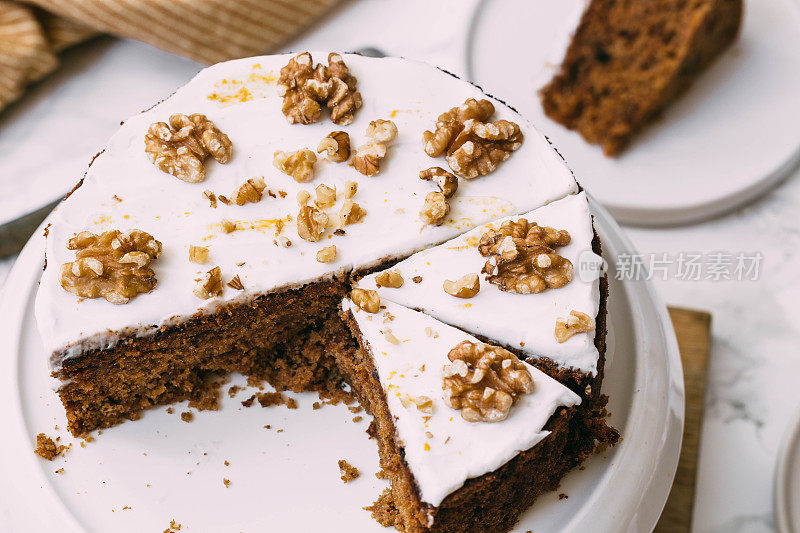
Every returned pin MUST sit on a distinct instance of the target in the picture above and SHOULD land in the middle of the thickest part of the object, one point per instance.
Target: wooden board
(693, 329)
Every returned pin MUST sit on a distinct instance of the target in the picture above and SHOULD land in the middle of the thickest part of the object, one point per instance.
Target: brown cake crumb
(226, 482)
(233, 391)
(348, 471)
(187, 416)
(60, 471)
(173, 526)
(170, 410)
(46, 448)
(562, 496)
(269, 399)
(248, 402)
(358, 418)
(384, 512)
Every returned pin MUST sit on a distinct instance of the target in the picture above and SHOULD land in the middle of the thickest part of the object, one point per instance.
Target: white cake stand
(731, 137)
(140, 475)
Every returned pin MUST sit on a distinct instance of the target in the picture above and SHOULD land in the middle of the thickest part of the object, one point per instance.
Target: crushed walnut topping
(424, 404)
(336, 146)
(250, 191)
(236, 283)
(447, 182)
(576, 323)
(299, 165)
(327, 254)
(367, 159)
(351, 212)
(303, 197)
(311, 223)
(227, 226)
(350, 189)
(473, 147)
(326, 196)
(305, 87)
(435, 208)
(198, 254)
(112, 265)
(210, 284)
(522, 257)
(180, 147)
(389, 336)
(366, 300)
(466, 286)
(484, 381)
(382, 131)
(212, 198)
(389, 278)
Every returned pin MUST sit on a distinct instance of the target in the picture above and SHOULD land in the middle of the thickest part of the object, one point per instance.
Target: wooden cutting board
(693, 329)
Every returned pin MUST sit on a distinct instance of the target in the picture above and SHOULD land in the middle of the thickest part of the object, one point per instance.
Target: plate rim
(655, 484)
(788, 452)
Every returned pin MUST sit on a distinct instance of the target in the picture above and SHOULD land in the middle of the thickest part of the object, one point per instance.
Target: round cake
(321, 221)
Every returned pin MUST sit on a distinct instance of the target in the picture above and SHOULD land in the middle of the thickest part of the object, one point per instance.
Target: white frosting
(523, 321)
(176, 213)
(457, 450)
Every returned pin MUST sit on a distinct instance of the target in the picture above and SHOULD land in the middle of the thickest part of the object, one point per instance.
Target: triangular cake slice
(523, 323)
(449, 473)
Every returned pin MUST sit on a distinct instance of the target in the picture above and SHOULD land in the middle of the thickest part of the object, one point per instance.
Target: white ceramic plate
(787, 480)
(140, 475)
(730, 138)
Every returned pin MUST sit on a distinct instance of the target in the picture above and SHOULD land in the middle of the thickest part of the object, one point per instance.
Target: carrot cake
(629, 59)
(222, 229)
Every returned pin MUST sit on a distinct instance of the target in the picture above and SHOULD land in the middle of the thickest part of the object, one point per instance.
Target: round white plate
(48, 138)
(787, 480)
(140, 475)
(730, 138)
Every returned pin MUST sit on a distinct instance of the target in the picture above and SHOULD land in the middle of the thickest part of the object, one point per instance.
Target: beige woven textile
(209, 31)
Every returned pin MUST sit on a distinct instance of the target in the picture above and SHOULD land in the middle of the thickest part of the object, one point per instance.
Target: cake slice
(506, 315)
(448, 473)
(629, 59)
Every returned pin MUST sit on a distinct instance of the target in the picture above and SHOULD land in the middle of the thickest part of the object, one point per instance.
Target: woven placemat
(693, 329)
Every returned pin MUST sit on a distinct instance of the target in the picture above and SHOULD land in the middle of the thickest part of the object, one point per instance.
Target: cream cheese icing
(123, 190)
(522, 321)
(443, 450)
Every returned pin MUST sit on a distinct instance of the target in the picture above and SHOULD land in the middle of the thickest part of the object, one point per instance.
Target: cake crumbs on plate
(269, 399)
(227, 463)
(187, 416)
(348, 472)
(46, 448)
(234, 390)
(60, 470)
(173, 526)
(562, 496)
(384, 511)
(226, 482)
(358, 418)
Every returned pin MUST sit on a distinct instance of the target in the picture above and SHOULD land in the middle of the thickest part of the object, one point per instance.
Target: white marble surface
(752, 389)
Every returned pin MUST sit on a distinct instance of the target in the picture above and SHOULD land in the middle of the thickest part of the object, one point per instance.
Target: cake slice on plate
(469, 434)
(530, 283)
(629, 59)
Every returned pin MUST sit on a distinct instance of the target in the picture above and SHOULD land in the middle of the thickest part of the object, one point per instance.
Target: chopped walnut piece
(473, 147)
(112, 265)
(250, 191)
(424, 404)
(522, 257)
(299, 165)
(368, 158)
(466, 286)
(305, 87)
(351, 212)
(448, 183)
(198, 254)
(212, 198)
(236, 283)
(336, 146)
(311, 223)
(366, 300)
(382, 131)
(435, 209)
(227, 226)
(210, 284)
(389, 278)
(327, 254)
(484, 381)
(180, 147)
(326, 196)
(576, 323)
(350, 189)
(303, 197)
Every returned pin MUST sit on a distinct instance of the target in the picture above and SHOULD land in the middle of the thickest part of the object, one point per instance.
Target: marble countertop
(752, 390)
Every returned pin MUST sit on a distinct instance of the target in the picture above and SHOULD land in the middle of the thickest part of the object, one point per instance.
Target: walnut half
(180, 147)
(484, 381)
(112, 265)
(336, 146)
(522, 257)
